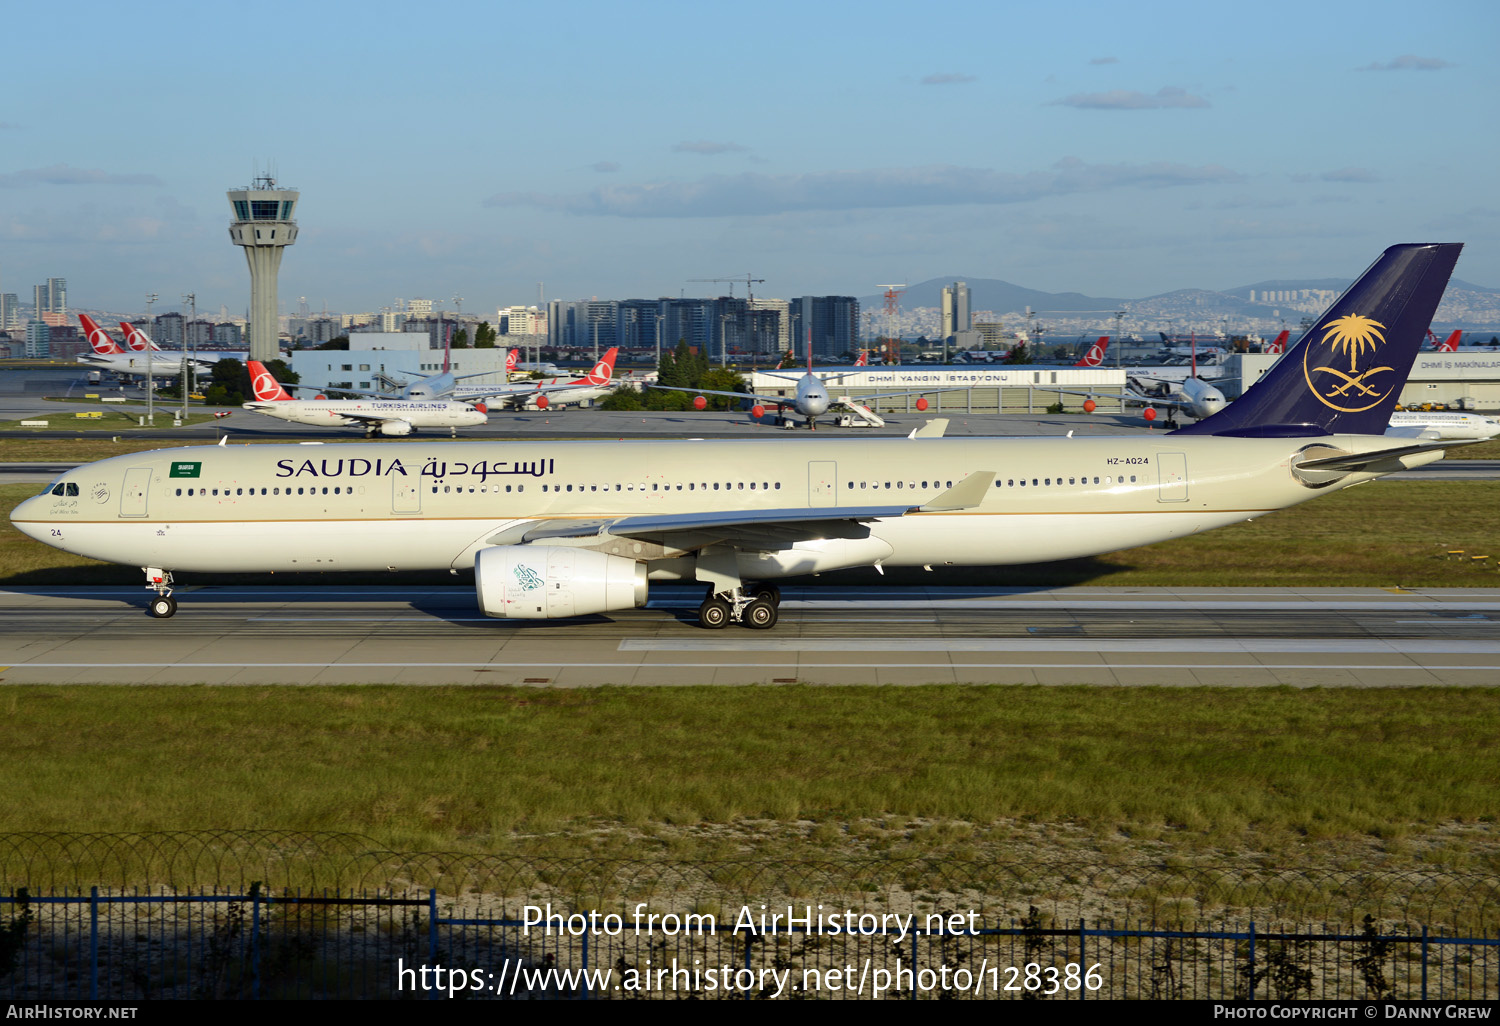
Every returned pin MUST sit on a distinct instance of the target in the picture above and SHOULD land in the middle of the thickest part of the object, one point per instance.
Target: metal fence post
(1252, 960)
(586, 992)
(432, 937)
(913, 966)
(255, 941)
(1083, 990)
(93, 944)
(1424, 962)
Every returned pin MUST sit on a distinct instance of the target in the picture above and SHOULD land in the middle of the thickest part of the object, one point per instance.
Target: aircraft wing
(525, 391)
(764, 400)
(748, 528)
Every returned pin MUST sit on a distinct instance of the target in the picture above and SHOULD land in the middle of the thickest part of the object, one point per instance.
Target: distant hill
(997, 295)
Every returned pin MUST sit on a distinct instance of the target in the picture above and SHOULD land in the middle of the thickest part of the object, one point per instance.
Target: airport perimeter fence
(245, 916)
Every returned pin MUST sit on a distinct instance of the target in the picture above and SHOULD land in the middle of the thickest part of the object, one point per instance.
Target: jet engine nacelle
(395, 428)
(543, 582)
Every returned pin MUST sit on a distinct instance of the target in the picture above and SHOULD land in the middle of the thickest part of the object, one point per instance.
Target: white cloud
(605, 167)
(951, 78)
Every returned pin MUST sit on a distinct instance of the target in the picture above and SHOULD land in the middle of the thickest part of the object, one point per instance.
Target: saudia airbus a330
(571, 528)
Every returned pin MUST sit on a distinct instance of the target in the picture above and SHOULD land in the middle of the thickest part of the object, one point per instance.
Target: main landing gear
(160, 581)
(757, 607)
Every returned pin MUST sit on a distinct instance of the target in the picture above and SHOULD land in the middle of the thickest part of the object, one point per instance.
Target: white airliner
(140, 342)
(810, 400)
(1442, 424)
(435, 387)
(574, 528)
(389, 417)
(541, 395)
(1192, 396)
(108, 355)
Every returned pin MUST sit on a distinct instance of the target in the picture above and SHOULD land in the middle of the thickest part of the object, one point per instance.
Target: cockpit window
(72, 489)
(58, 490)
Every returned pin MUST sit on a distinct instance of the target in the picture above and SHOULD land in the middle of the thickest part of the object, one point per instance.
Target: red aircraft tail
(602, 371)
(98, 337)
(264, 385)
(138, 340)
(1095, 356)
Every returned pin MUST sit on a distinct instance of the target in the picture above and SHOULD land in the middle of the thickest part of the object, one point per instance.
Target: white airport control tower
(263, 224)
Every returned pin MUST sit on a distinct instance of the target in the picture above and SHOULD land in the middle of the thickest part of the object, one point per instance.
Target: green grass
(501, 768)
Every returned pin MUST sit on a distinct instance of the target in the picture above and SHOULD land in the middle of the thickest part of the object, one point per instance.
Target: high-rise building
(263, 225)
(167, 330)
(520, 320)
(832, 320)
(38, 340)
(52, 302)
(10, 311)
(956, 316)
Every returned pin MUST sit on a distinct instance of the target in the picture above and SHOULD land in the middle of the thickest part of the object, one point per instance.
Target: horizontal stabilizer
(1352, 462)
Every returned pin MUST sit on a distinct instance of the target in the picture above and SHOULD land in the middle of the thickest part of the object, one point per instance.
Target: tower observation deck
(263, 224)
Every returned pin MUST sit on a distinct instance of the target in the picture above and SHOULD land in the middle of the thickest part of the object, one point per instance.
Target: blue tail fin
(1345, 375)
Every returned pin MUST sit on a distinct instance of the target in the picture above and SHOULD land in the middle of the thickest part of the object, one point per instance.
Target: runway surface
(1106, 636)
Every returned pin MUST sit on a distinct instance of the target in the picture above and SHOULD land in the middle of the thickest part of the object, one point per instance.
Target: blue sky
(619, 150)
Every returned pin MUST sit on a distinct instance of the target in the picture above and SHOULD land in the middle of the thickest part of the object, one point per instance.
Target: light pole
(151, 297)
(189, 350)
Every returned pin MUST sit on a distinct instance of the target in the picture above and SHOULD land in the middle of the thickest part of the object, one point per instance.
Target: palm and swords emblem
(1350, 391)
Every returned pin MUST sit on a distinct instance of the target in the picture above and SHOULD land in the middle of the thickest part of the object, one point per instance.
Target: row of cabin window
(1036, 482)
(337, 490)
(691, 486)
(1045, 481)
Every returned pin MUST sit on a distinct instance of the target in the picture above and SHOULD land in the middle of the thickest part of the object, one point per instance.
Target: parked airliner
(573, 528)
(388, 417)
(109, 356)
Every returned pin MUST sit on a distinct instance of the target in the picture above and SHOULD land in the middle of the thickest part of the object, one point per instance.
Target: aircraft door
(1171, 468)
(822, 483)
(133, 495)
(406, 495)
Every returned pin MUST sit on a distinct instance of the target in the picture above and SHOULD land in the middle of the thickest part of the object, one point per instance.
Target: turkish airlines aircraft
(541, 395)
(1278, 344)
(389, 417)
(140, 342)
(573, 528)
(1449, 344)
(1095, 356)
(108, 356)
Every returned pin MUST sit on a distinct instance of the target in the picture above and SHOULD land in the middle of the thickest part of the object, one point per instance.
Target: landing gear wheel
(162, 606)
(713, 615)
(769, 591)
(760, 615)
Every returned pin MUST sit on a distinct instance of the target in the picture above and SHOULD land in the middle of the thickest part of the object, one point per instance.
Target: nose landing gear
(160, 581)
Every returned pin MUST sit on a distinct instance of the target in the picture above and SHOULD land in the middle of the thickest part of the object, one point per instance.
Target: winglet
(967, 494)
(934, 428)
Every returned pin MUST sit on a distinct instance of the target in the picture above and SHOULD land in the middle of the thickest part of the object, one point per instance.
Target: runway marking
(1353, 646)
(476, 667)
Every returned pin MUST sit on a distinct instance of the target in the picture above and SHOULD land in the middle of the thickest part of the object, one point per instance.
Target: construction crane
(749, 302)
